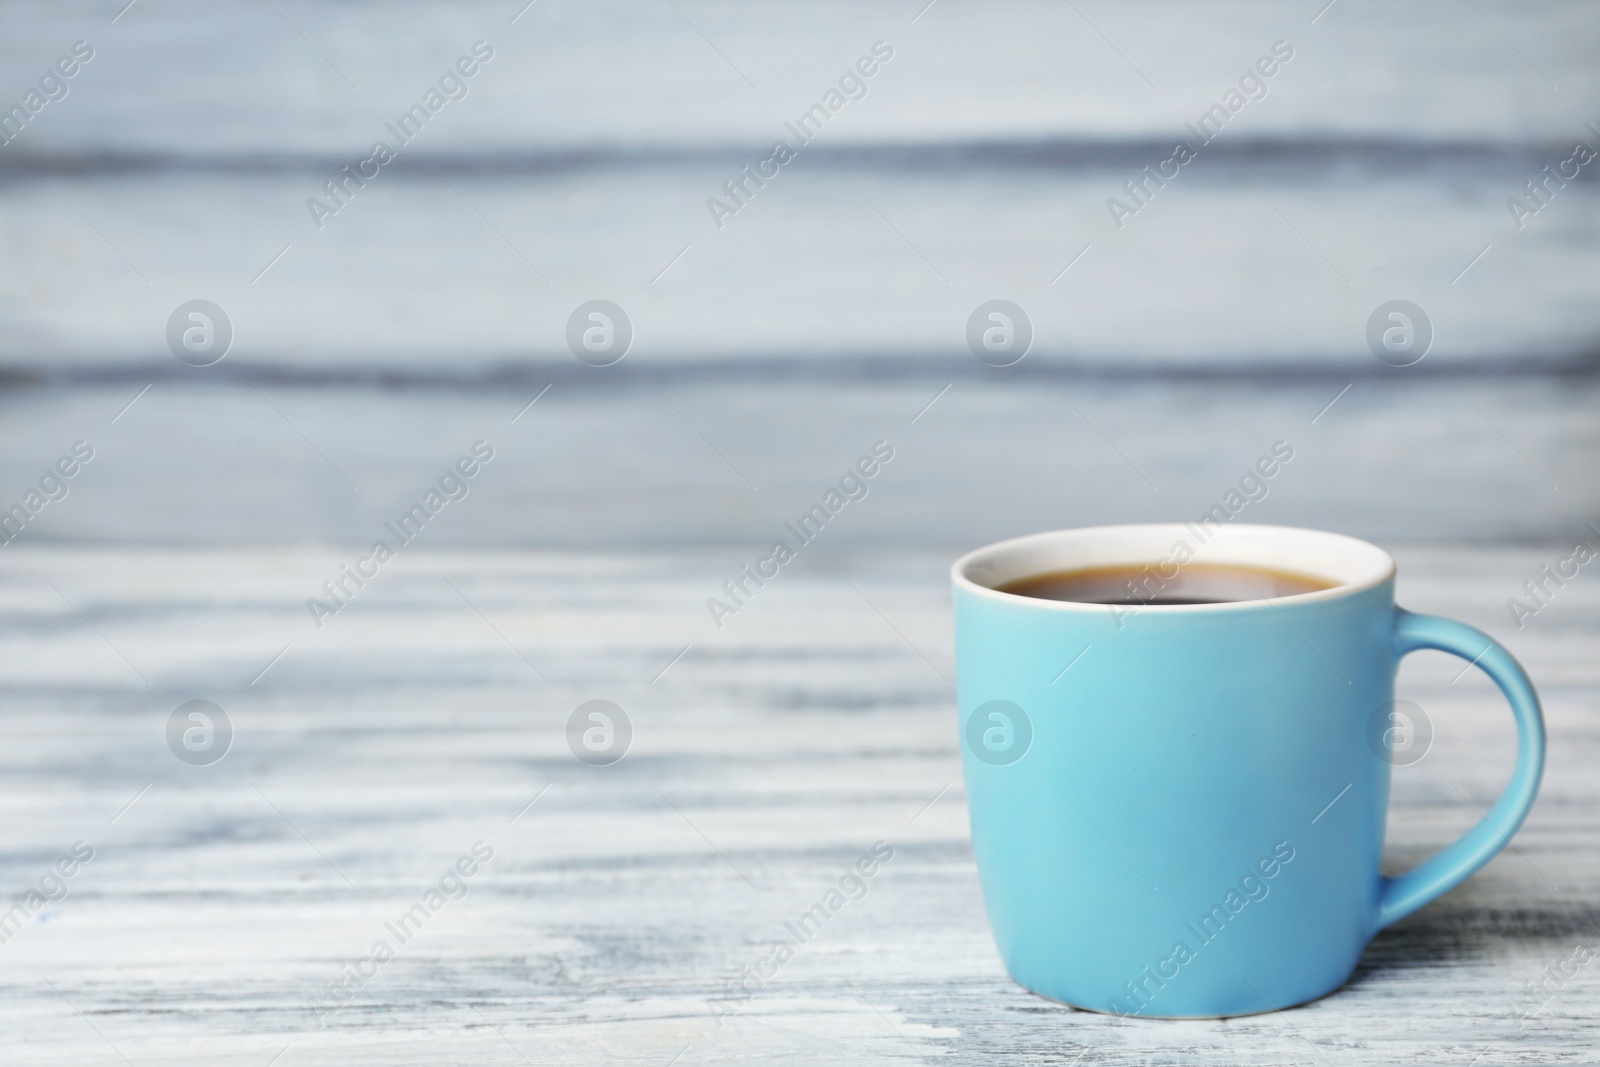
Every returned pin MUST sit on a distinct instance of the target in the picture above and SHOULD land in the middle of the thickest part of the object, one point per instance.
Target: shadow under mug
(1178, 810)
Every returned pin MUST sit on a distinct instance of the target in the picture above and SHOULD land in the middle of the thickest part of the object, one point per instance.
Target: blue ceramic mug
(1178, 810)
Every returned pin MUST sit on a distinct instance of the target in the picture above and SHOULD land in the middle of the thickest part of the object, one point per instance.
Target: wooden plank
(581, 163)
(622, 465)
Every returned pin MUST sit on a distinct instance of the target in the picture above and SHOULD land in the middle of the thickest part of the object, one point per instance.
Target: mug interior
(1345, 563)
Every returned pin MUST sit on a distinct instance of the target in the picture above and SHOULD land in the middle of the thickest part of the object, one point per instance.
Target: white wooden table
(222, 900)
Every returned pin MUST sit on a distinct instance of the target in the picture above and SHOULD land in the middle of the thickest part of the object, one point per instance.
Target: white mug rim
(1352, 564)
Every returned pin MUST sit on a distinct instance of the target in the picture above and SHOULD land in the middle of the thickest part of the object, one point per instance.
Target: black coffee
(1193, 583)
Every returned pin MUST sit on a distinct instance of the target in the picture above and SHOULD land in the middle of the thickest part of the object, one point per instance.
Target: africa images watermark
(852, 85)
(852, 485)
(1542, 190)
(1253, 486)
(1552, 980)
(1252, 889)
(1252, 86)
(50, 888)
(52, 88)
(453, 485)
(452, 885)
(52, 487)
(1549, 580)
(341, 189)
(853, 885)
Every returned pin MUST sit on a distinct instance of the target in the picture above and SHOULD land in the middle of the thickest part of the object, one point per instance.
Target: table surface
(223, 901)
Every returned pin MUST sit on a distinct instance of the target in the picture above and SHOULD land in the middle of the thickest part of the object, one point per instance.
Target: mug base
(1157, 1016)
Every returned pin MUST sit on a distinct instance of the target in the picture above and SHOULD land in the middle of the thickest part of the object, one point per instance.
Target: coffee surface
(1194, 583)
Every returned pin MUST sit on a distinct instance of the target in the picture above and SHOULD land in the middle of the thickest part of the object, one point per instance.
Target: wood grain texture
(982, 162)
(377, 750)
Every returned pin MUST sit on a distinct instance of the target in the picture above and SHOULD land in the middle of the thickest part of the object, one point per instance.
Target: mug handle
(1402, 895)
